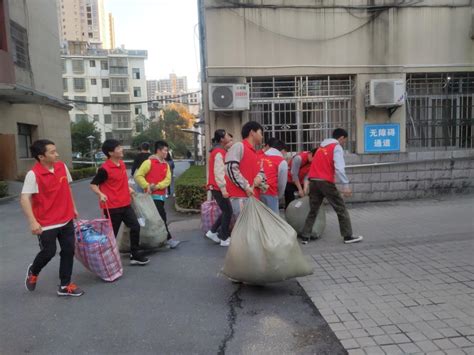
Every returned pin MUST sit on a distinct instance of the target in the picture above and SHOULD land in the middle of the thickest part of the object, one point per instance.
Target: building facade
(31, 104)
(105, 85)
(308, 64)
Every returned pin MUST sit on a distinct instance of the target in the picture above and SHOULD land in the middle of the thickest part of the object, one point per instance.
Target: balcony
(118, 71)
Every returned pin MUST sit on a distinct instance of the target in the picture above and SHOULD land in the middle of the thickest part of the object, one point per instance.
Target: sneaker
(350, 240)
(138, 260)
(225, 243)
(213, 236)
(30, 280)
(70, 290)
(172, 244)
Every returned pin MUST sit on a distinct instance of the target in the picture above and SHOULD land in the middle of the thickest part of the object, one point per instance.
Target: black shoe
(314, 237)
(138, 259)
(30, 280)
(70, 290)
(350, 240)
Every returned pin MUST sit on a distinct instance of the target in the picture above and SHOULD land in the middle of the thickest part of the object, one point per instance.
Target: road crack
(234, 302)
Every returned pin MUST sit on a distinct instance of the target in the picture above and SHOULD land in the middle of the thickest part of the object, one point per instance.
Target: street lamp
(91, 141)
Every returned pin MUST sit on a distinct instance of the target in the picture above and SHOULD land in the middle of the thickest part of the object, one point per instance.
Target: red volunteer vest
(157, 174)
(53, 202)
(249, 168)
(116, 186)
(304, 167)
(212, 184)
(270, 168)
(322, 166)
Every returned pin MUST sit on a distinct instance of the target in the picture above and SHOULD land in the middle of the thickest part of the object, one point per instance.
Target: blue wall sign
(381, 138)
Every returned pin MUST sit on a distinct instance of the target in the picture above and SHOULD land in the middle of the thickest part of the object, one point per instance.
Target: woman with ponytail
(217, 185)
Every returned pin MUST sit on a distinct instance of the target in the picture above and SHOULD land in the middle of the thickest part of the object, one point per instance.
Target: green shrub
(190, 188)
(3, 188)
(83, 173)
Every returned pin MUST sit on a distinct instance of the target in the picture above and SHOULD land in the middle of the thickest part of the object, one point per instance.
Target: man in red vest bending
(327, 163)
(244, 175)
(298, 169)
(111, 185)
(48, 204)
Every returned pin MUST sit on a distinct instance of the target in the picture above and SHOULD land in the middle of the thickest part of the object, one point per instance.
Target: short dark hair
(218, 135)
(145, 146)
(160, 145)
(271, 141)
(39, 147)
(250, 126)
(109, 146)
(339, 132)
(278, 145)
(313, 151)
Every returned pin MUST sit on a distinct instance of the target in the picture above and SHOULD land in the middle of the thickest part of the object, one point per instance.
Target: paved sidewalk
(408, 287)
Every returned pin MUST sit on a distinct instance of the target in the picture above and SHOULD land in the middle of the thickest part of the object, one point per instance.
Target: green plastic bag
(263, 248)
(296, 214)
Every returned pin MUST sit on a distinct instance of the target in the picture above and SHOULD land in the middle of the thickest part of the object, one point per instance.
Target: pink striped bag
(210, 212)
(96, 248)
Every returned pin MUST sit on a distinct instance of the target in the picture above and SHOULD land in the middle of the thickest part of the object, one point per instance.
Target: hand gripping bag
(152, 228)
(96, 248)
(263, 248)
(296, 214)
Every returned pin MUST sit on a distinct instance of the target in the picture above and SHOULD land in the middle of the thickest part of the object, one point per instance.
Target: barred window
(107, 118)
(25, 138)
(78, 66)
(80, 117)
(105, 83)
(104, 65)
(79, 84)
(80, 105)
(440, 110)
(19, 38)
(65, 84)
(121, 120)
(119, 85)
(93, 81)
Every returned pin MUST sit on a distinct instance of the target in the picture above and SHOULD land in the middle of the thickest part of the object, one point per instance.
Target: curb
(6, 199)
(185, 210)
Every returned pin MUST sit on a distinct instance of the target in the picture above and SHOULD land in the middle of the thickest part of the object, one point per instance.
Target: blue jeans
(271, 202)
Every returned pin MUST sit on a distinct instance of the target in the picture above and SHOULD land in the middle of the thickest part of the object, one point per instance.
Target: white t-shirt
(30, 186)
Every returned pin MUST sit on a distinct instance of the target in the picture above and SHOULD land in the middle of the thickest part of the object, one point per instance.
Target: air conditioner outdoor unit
(228, 97)
(385, 93)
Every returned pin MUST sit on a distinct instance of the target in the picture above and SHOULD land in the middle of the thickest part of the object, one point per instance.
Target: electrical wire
(171, 99)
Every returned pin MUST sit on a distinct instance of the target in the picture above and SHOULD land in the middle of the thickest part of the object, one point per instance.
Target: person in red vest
(111, 185)
(154, 177)
(275, 168)
(244, 174)
(218, 187)
(47, 202)
(266, 146)
(327, 163)
(298, 170)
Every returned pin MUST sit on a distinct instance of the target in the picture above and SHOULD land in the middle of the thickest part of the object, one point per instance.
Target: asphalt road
(178, 304)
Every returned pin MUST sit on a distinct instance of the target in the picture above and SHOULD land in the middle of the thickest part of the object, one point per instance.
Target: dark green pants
(319, 190)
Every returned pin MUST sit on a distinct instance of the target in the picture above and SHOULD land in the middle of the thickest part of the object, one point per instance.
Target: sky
(166, 28)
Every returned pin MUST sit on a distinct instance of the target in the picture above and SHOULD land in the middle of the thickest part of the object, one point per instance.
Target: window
(78, 66)
(107, 119)
(25, 138)
(64, 84)
(121, 120)
(96, 118)
(94, 99)
(79, 105)
(105, 83)
(80, 117)
(92, 63)
(106, 99)
(104, 65)
(139, 127)
(93, 81)
(79, 84)
(137, 92)
(109, 135)
(119, 85)
(91, 35)
(64, 66)
(89, 22)
(19, 38)
(138, 109)
(136, 73)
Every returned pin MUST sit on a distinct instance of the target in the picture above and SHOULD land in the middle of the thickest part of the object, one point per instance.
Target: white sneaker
(213, 237)
(225, 243)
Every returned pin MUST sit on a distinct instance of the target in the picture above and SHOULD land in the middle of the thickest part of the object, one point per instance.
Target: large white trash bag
(152, 228)
(296, 214)
(263, 248)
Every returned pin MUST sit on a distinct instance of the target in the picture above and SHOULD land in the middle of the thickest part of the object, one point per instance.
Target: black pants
(224, 219)
(47, 243)
(128, 217)
(290, 193)
(318, 190)
(160, 206)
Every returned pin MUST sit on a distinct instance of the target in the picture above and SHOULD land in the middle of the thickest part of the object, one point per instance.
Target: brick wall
(382, 177)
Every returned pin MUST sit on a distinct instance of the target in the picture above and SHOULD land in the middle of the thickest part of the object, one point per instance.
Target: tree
(150, 135)
(79, 133)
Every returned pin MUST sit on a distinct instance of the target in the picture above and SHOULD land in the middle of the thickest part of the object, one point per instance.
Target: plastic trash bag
(210, 212)
(296, 214)
(263, 248)
(153, 232)
(96, 248)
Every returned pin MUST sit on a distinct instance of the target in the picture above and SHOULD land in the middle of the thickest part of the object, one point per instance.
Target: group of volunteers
(49, 206)
(237, 172)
